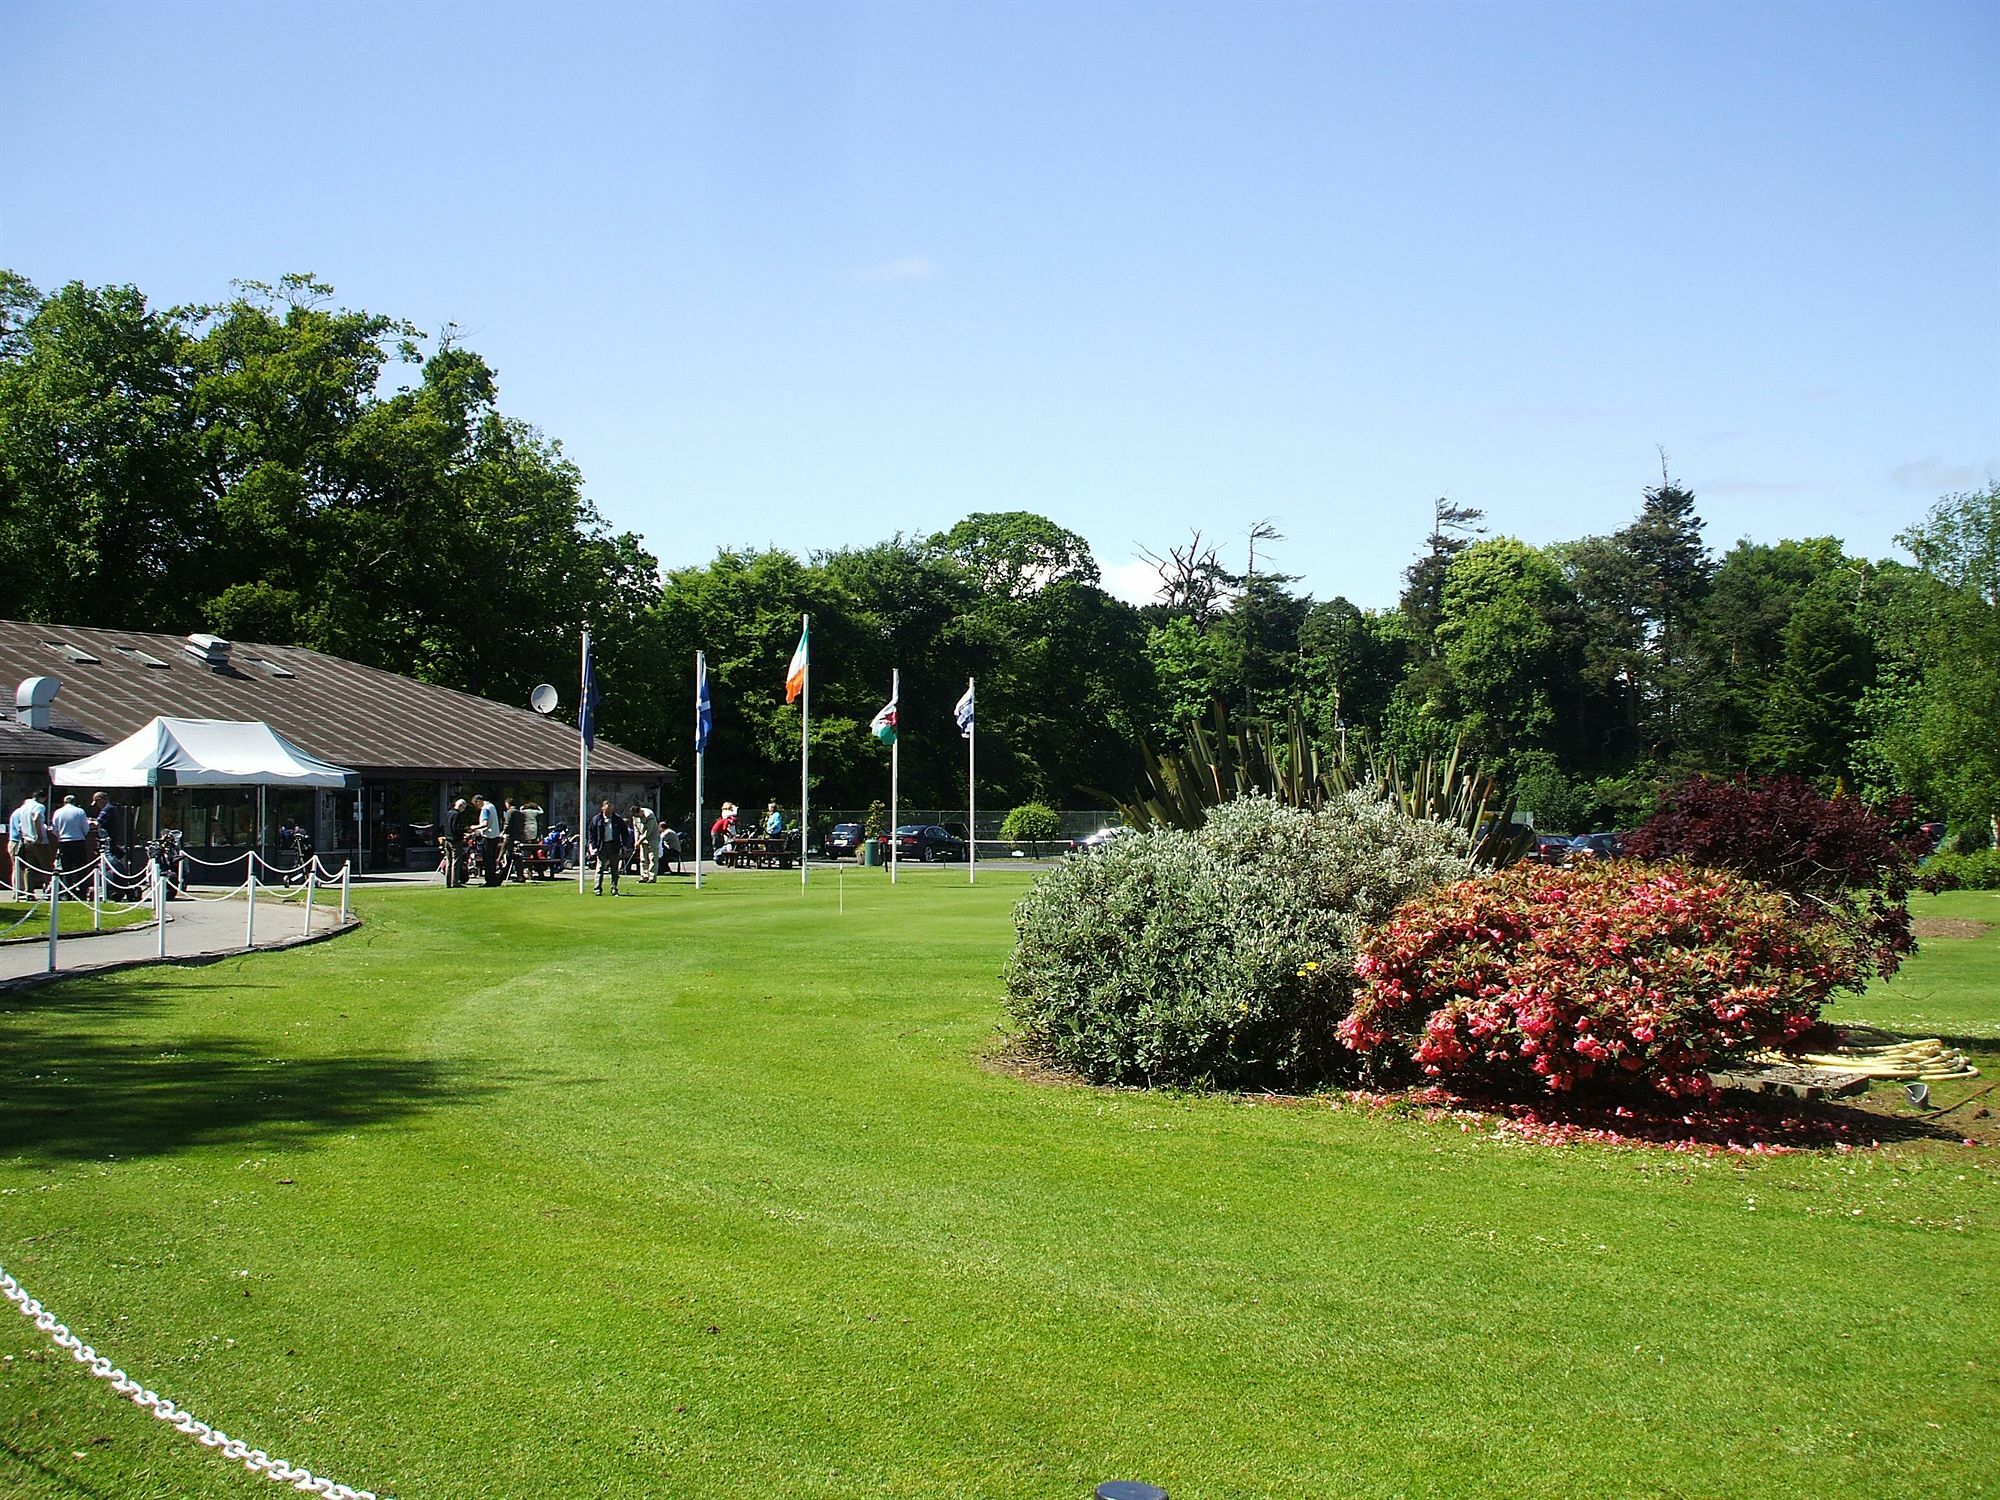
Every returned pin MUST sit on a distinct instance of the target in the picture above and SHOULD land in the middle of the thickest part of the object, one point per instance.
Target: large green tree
(239, 468)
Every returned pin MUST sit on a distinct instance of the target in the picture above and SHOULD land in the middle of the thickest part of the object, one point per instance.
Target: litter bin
(871, 851)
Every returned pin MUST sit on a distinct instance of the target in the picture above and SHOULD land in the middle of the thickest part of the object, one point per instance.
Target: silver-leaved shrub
(1222, 958)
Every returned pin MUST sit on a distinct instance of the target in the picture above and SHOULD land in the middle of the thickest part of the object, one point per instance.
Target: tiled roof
(360, 717)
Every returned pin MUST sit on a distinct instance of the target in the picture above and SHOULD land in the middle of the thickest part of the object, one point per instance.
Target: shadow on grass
(56, 1480)
(68, 1094)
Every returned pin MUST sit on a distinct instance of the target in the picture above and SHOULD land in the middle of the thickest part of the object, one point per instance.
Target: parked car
(1596, 846)
(928, 842)
(1550, 849)
(845, 841)
(1104, 838)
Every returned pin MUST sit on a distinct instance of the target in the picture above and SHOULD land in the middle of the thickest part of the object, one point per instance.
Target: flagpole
(971, 796)
(895, 768)
(700, 756)
(582, 758)
(805, 754)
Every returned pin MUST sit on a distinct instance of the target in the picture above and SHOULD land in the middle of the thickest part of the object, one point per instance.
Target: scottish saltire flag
(704, 712)
(795, 675)
(586, 720)
(883, 725)
(963, 713)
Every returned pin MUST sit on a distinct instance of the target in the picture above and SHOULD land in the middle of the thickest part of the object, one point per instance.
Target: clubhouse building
(415, 746)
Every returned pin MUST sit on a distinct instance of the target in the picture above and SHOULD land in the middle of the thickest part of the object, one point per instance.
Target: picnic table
(760, 852)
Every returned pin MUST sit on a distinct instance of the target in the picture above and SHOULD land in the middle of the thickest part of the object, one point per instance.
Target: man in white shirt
(27, 833)
(489, 840)
(72, 828)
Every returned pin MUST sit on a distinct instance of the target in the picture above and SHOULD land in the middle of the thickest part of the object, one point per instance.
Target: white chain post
(97, 894)
(250, 905)
(160, 905)
(256, 1460)
(55, 907)
(312, 874)
(345, 871)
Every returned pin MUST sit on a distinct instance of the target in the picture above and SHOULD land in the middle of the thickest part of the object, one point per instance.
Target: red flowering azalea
(1619, 971)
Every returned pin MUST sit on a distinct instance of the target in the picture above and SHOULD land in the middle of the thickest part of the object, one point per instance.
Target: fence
(104, 889)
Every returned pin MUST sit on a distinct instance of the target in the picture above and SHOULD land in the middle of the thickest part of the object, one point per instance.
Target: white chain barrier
(256, 1460)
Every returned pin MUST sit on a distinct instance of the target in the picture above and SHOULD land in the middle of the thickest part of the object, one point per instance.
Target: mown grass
(516, 1193)
(22, 921)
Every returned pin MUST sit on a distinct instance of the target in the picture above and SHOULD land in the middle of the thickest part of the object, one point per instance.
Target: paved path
(194, 929)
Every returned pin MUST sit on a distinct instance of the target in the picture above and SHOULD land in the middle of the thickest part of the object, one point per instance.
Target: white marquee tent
(203, 752)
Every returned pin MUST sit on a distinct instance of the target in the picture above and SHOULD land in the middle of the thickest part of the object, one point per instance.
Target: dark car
(1551, 849)
(928, 842)
(845, 841)
(1596, 846)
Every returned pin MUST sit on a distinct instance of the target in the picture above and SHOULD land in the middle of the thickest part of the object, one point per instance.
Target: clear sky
(812, 274)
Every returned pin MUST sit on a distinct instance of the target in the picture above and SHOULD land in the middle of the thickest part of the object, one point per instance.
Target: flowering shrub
(1618, 973)
(1220, 958)
(1848, 863)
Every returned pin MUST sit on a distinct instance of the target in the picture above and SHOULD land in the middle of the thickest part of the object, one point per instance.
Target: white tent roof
(203, 752)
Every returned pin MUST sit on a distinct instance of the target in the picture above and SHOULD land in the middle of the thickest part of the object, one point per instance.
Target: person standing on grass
(72, 828)
(608, 838)
(515, 825)
(27, 832)
(489, 839)
(457, 824)
(646, 832)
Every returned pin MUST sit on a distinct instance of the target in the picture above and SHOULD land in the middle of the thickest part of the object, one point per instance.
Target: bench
(760, 853)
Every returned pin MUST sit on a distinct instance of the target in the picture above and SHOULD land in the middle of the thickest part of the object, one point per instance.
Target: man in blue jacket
(609, 838)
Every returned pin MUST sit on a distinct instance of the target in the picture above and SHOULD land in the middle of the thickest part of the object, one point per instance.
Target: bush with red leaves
(1619, 973)
(1843, 861)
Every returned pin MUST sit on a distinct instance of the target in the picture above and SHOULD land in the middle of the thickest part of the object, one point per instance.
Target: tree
(1017, 554)
(1193, 582)
(1500, 648)
(237, 467)
(1934, 715)
(1453, 529)
(1673, 572)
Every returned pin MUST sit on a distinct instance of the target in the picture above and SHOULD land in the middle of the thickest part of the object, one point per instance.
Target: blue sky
(813, 274)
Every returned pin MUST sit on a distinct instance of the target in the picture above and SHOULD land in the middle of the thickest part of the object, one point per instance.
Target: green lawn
(22, 921)
(519, 1193)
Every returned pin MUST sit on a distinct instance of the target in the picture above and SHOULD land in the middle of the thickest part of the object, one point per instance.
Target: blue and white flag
(586, 721)
(704, 712)
(963, 713)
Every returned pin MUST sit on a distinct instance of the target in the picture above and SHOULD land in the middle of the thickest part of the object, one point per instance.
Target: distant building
(416, 746)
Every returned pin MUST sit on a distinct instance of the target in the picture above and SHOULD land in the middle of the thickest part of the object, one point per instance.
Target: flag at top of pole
(883, 725)
(962, 712)
(587, 719)
(704, 706)
(795, 674)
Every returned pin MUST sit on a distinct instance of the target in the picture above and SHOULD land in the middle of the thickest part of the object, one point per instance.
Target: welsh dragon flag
(883, 725)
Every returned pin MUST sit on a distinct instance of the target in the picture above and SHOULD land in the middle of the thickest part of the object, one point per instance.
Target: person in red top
(721, 831)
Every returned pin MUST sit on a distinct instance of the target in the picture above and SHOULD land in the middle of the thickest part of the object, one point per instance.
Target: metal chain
(256, 1460)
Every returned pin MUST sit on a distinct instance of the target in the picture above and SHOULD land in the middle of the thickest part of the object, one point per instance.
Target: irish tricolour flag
(795, 674)
(883, 725)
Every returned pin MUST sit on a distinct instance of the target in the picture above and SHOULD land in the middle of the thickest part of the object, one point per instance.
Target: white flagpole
(895, 766)
(582, 757)
(700, 755)
(805, 752)
(971, 797)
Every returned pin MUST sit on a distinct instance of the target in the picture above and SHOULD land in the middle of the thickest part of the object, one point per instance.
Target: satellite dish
(543, 699)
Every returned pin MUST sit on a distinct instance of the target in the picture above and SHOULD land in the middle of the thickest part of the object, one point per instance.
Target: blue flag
(963, 713)
(587, 720)
(704, 712)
